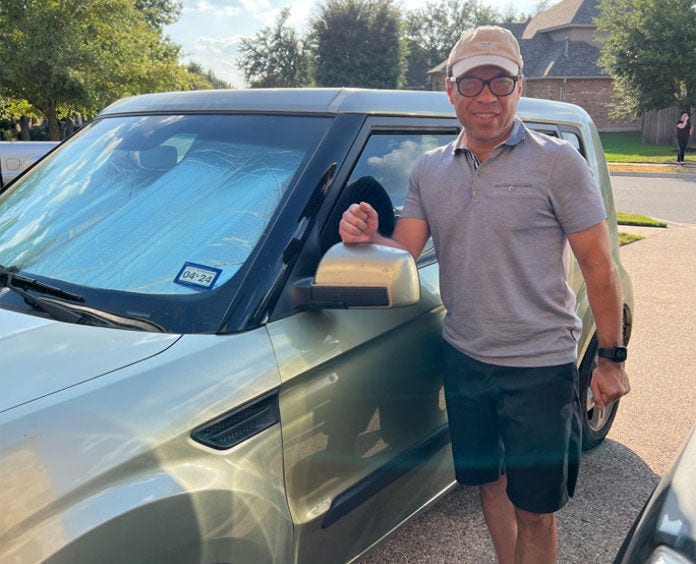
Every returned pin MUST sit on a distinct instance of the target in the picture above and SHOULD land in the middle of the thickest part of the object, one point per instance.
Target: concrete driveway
(652, 423)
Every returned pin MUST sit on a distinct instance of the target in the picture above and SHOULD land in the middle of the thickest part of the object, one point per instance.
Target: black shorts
(524, 422)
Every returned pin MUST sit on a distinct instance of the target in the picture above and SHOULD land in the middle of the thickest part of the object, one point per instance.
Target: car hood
(40, 356)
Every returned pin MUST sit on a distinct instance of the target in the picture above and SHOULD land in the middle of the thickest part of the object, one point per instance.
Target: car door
(362, 409)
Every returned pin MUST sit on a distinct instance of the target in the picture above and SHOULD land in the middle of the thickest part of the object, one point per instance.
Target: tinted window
(389, 158)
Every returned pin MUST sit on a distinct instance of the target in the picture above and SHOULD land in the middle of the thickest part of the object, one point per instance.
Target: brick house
(560, 52)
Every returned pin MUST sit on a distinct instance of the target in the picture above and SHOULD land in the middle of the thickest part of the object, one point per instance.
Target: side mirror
(362, 276)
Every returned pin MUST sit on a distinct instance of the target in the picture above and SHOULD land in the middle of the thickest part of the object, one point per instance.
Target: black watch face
(620, 354)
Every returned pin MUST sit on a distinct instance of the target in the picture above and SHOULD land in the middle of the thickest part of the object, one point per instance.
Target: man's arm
(359, 225)
(592, 249)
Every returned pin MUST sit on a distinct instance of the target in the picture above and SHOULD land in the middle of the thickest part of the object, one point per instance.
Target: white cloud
(203, 6)
(200, 6)
(218, 44)
(256, 6)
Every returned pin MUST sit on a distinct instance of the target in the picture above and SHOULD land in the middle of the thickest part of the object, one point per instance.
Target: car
(665, 530)
(17, 156)
(195, 368)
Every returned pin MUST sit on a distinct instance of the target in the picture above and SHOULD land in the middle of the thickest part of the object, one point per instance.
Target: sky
(209, 30)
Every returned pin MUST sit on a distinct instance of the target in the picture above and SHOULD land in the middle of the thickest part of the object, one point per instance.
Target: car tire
(595, 422)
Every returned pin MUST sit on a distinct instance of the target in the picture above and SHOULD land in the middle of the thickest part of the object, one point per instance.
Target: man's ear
(448, 87)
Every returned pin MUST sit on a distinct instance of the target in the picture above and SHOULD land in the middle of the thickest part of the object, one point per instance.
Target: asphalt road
(651, 425)
(669, 197)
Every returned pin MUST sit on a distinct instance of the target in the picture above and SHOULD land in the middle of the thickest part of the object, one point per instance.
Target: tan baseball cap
(486, 45)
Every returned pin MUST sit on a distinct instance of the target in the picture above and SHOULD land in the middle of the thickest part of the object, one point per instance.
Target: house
(560, 52)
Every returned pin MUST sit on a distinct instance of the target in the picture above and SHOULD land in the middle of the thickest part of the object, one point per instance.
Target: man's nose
(487, 95)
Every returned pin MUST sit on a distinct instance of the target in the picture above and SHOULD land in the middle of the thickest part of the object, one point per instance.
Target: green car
(194, 368)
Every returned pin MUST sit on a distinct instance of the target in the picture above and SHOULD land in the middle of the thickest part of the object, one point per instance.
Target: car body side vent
(230, 429)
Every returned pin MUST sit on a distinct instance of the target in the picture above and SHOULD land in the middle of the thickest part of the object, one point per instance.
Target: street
(651, 424)
(670, 197)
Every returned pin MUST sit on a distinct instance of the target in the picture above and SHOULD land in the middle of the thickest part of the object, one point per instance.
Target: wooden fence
(659, 126)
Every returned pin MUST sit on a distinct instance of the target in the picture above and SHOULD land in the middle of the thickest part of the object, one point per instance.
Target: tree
(649, 50)
(205, 80)
(12, 112)
(159, 12)
(431, 31)
(359, 43)
(275, 56)
(83, 54)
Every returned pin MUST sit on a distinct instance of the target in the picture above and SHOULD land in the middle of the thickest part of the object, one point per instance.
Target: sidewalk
(663, 271)
(652, 168)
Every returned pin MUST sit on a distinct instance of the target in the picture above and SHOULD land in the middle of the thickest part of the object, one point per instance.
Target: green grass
(626, 147)
(626, 238)
(638, 220)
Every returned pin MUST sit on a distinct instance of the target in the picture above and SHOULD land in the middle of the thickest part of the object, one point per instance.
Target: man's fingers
(608, 384)
(358, 223)
(353, 223)
(597, 396)
(351, 228)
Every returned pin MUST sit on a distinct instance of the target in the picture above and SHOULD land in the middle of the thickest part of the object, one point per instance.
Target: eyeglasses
(471, 86)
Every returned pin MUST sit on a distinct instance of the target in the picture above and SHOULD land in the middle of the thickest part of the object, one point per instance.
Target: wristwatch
(618, 353)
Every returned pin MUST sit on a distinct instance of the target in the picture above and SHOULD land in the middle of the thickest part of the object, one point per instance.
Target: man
(502, 203)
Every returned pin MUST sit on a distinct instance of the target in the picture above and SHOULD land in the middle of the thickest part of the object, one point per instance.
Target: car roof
(329, 101)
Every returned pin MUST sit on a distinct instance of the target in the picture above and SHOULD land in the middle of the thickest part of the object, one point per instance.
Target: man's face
(487, 118)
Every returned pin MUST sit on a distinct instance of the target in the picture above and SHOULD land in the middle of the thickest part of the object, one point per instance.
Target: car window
(154, 204)
(573, 138)
(389, 158)
(559, 132)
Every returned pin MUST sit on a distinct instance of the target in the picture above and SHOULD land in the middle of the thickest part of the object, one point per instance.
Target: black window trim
(309, 254)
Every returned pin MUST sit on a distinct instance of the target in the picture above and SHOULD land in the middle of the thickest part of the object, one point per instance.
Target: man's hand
(359, 224)
(609, 382)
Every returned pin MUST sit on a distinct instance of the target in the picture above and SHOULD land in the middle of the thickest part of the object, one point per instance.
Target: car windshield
(169, 204)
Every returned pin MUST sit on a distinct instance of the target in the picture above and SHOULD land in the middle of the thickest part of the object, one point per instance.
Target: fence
(659, 126)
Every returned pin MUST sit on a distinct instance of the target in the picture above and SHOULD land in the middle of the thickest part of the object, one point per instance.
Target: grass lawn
(626, 238)
(638, 219)
(626, 147)
(635, 219)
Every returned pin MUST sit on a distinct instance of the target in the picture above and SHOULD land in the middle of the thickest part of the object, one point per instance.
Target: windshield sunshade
(154, 204)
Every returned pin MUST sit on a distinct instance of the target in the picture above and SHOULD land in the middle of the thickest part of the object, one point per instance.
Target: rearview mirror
(362, 276)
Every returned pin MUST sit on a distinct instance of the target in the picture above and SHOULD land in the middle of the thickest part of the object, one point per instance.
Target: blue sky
(209, 30)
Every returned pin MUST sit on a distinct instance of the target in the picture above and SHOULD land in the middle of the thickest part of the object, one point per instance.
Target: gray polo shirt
(499, 230)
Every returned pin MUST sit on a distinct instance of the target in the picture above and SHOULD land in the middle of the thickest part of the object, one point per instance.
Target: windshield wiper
(20, 284)
(71, 313)
(13, 280)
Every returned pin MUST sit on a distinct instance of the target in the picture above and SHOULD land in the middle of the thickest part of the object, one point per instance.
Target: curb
(650, 169)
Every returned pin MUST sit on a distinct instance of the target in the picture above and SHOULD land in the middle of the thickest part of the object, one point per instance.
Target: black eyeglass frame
(485, 83)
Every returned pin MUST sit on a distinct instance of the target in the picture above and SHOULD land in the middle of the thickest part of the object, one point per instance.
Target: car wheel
(595, 422)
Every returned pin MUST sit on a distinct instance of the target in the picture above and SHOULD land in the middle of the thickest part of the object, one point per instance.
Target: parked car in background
(665, 531)
(194, 368)
(17, 156)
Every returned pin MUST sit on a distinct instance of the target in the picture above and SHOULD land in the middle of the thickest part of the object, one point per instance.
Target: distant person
(684, 131)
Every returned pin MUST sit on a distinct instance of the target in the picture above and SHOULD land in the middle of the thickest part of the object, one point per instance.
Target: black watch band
(616, 354)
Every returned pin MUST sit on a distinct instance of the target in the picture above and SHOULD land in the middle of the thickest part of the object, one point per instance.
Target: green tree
(359, 43)
(13, 112)
(80, 55)
(649, 50)
(159, 12)
(204, 80)
(275, 56)
(432, 30)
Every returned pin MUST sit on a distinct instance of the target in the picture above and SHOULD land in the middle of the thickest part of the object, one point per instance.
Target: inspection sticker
(198, 276)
